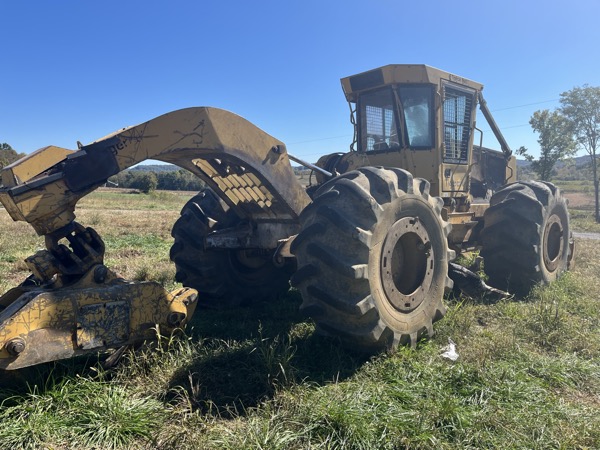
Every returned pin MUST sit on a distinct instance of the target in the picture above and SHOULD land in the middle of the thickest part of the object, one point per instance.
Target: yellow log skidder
(369, 244)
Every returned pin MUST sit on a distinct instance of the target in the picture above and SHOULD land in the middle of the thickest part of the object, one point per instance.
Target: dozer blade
(98, 312)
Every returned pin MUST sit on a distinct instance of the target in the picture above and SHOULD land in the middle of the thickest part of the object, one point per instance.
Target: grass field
(528, 375)
(581, 204)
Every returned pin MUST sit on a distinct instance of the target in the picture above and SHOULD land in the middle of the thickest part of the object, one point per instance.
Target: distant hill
(578, 161)
(155, 168)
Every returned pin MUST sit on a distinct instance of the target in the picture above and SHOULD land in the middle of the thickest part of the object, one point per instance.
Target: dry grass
(135, 228)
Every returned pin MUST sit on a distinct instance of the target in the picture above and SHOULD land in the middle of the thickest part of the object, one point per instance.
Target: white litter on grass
(450, 351)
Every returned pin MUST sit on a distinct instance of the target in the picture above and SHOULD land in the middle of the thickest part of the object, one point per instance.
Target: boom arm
(248, 168)
(492, 123)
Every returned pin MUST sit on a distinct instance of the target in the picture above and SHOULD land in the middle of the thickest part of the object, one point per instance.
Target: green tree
(190, 182)
(8, 155)
(169, 181)
(143, 181)
(555, 139)
(581, 107)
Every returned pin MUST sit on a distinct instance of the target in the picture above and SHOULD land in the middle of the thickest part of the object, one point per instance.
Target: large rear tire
(223, 278)
(526, 238)
(373, 259)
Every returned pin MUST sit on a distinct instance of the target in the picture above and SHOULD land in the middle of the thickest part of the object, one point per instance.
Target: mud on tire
(223, 278)
(373, 258)
(526, 238)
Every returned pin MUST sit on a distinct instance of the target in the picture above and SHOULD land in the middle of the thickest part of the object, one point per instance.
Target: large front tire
(223, 278)
(526, 238)
(373, 259)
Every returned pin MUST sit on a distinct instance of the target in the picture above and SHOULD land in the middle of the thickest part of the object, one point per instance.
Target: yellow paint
(62, 311)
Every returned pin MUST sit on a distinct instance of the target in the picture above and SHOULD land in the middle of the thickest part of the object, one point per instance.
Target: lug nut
(15, 346)
(100, 274)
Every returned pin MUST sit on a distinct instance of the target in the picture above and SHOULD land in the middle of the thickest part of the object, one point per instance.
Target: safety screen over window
(458, 107)
(378, 124)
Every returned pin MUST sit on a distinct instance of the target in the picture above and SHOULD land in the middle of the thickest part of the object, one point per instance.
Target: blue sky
(78, 70)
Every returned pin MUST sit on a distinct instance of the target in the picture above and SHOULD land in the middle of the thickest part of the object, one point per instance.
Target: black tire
(223, 278)
(526, 238)
(373, 259)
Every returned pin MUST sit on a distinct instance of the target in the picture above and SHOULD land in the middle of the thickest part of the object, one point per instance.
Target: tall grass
(79, 412)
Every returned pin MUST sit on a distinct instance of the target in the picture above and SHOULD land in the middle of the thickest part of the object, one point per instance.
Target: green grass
(79, 412)
(528, 375)
(575, 185)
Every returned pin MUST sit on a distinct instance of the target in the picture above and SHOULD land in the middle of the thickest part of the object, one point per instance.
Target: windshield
(416, 102)
(379, 118)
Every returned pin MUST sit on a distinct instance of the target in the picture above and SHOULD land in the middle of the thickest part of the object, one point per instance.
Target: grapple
(72, 304)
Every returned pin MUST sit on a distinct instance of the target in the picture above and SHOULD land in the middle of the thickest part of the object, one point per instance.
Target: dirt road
(578, 235)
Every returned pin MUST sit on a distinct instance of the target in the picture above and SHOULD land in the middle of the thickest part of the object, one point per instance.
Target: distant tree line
(147, 181)
(301, 172)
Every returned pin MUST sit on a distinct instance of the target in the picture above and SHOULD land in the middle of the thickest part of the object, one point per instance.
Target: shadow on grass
(245, 355)
(43, 377)
(252, 352)
(249, 354)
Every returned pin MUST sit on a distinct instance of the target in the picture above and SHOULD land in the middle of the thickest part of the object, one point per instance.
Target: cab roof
(400, 73)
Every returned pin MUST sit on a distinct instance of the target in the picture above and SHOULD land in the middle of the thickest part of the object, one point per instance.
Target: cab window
(379, 118)
(417, 105)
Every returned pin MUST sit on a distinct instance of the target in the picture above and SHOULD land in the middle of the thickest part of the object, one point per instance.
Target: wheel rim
(553, 243)
(407, 263)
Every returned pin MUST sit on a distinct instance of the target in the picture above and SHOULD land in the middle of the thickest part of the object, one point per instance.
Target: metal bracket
(231, 238)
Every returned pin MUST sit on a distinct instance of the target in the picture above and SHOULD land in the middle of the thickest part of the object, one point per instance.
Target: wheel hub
(553, 242)
(407, 264)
